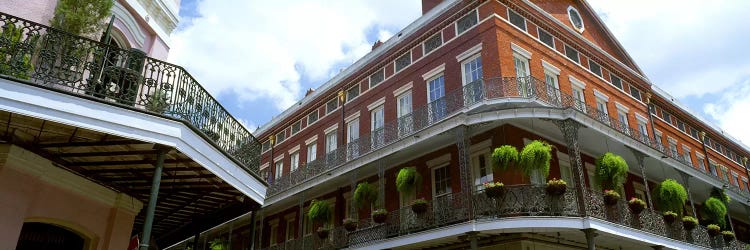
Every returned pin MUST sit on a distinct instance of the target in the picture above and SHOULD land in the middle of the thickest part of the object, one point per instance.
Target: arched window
(36, 235)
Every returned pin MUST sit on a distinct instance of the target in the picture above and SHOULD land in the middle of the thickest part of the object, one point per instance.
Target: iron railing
(460, 100)
(46, 57)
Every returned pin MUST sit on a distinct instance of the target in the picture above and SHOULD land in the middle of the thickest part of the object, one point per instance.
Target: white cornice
(433, 72)
(469, 52)
(376, 104)
(403, 89)
(521, 51)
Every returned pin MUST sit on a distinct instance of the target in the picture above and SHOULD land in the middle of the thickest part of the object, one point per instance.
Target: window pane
(433, 43)
(595, 68)
(466, 22)
(616, 81)
(572, 54)
(517, 20)
(403, 61)
(332, 105)
(376, 78)
(312, 117)
(546, 38)
(352, 92)
(296, 127)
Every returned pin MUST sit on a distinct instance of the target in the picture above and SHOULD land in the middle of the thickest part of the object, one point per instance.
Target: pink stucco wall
(24, 197)
(39, 11)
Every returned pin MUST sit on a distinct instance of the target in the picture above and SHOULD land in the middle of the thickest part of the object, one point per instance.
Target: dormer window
(575, 19)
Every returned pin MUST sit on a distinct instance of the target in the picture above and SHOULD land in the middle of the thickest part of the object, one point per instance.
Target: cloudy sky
(259, 57)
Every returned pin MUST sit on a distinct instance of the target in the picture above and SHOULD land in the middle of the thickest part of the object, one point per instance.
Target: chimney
(309, 91)
(428, 5)
(377, 44)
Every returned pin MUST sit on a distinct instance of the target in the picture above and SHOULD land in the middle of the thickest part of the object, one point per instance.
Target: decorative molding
(403, 89)
(131, 25)
(521, 51)
(469, 52)
(278, 158)
(331, 128)
(376, 104)
(438, 160)
(601, 95)
(577, 83)
(550, 67)
(433, 72)
(311, 140)
(294, 149)
(351, 117)
(622, 107)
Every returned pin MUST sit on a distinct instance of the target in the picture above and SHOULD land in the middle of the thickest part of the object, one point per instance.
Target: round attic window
(575, 19)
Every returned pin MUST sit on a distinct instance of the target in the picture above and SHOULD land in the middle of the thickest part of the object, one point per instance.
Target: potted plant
(669, 217)
(493, 189)
(504, 156)
(217, 244)
(670, 196)
(407, 180)
(611, 197)
(713, 230)
(350, 224)
(714, 210)
(556, 187)
(321, 212)
(636, 205)
(689, 223)
(365, 195)
(419, 206)
(611, 171)
(534, 159)
(379, 215)
(323, 232)
(728, 236)
(158, 102)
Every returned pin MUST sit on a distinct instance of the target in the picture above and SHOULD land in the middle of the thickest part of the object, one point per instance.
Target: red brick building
(468, 77)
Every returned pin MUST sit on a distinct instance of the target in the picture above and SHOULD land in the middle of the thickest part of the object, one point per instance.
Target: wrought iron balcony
(516, 202)
(460, 100)
(41, 56)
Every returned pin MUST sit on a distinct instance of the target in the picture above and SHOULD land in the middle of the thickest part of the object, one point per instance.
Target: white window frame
(467, 61)
(477, 150)
(294, 163)
(314, 155)
(449, 190)
(278, 168)
(570, 18)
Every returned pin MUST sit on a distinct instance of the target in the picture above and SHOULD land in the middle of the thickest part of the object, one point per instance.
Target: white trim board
(23, 99)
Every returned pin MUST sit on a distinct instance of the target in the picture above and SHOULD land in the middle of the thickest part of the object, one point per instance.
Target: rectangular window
(694, 133)
(281, 136)
(331, 142)
(352, 92)
(466, 22)
(433, 43)
(673, 148)
(622, 118)
(702, 164)
(595, 68)
(635, 93)
(266, 146)
(553, 86)
(274, 232)
(403, 61)
(294, 159)
(681, 126)
(616, 81)
(376, 126)
(521, 65)
(403, 112)
(472, 69)
(517, 20)
(377, 78)
(546, 38)
(436, 102)
(572, 54)
(441, 181)
(290, 225)
(482, 170)
(312, 117)
(312, 152)
(296, 127)
(666, 116)
(279, 169)
(686, 156)
(580, 100)
(642, 128)
(352, 132)
(332, 105)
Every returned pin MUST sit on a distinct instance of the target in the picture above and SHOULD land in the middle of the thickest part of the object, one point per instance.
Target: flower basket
(419, 206)
(350, 224)
(713, 230)
(689, 223)
(636, 206)
(380, 215)
(611, 197)
(556, 187)
(494, 189)
(728, 236)
(323, 232)
(670, 217)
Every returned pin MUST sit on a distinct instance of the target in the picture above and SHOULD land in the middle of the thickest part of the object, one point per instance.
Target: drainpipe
(272, 164)
(342, 100)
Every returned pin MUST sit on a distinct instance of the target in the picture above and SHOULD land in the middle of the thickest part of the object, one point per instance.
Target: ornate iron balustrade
(49, 58)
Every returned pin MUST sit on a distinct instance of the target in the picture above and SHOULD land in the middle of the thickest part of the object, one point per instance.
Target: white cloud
(683, 46)
(731, 110)
(261, 49)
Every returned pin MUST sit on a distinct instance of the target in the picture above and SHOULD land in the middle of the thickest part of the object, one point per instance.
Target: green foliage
(504, 156)
(320, 211)
(611, 171)
(158, 101)
(218, 244)
(81, 16)
(408, 179)
(670, 196)
(15, 55)
(690, 219)
(380, 211)
(535, 157)
(419, 201)
(365, 194)
(719, 193)
(713, 227)
(714, 210)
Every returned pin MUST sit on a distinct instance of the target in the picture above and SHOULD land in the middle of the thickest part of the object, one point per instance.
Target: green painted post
(155, 183)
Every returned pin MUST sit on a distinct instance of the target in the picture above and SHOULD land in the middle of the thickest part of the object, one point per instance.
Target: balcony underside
(117, 148)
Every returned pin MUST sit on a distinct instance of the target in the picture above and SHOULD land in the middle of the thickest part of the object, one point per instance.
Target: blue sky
(259, 57)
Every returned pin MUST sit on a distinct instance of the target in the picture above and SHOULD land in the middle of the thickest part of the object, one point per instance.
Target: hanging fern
(535, 156)
(721, 195)
(504, 156)
(365, 194)
(320, 211)
(714, 210)
(218, 244)
(670, 196)
(611, 171)
(408, 179)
